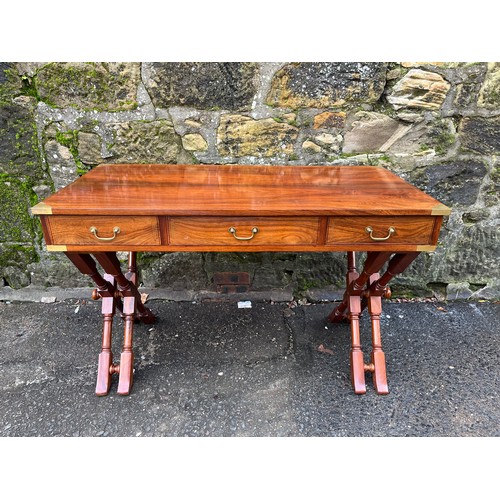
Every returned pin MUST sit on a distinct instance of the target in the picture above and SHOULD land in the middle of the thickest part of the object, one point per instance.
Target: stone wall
(437, 125)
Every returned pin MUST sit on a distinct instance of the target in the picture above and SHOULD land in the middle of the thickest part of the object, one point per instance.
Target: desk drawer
(104, 230)
(243, 231)
(377, 229)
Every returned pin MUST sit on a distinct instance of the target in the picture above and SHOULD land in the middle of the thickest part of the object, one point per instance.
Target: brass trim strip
(57, 248)
(441, 210)
(426, 248)
(41, 209)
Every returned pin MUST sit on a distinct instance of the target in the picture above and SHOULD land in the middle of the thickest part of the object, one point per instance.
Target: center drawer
(243, 231)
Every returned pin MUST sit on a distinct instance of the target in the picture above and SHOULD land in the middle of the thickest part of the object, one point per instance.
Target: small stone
(329, 119)
(489, 95)
(369, 132)
(327, 139)
(311, 147)
(48, 300)
(89, 148)
(194, 142)
(457, 291)
(192, 123)
(240, 135)
(145, 142)
(481, 134)
(62, 165)
(290, 117)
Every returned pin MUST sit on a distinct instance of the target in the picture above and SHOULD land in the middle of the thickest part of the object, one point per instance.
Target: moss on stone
(89, 86)
(69, 139)
(17, 196)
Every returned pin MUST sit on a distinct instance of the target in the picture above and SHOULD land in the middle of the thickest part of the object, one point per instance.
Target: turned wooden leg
(357, 362)
(132, 307)
(131, 274)
(106, 290)
(355, 296)
(377, 365)
(126, 376)
(105, 367)
(376, 289)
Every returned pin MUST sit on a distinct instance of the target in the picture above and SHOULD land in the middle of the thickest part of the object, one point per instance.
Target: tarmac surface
(209, 368)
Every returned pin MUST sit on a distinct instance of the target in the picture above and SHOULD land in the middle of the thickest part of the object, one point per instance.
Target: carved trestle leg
(106, 289)
(367, 289)
(132, 308)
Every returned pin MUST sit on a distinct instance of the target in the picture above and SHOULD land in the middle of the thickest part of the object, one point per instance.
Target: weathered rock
(144, 142)
(55, 269)
(62, 165)
(467, 253)
(460, 290)
(456, 183)
(203, 85)
(489, 292)
(369, 132)
(481, 135)
(182, 271)
(436, 137)
(89, 148)
(311, 147)
(467, 90)
(194, 142)
(15, 277)
(19, 153)
(329, 142)
(89, 86)
(10, 83)
(323, 85)
(16, 225)
(240, 135)
(17, 230)
(475, 215)
(419, 89)
(489, 96)
(328, 119)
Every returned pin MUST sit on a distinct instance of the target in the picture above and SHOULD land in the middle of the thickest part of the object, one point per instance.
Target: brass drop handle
(369, 230)
(232, 230)
(116, 230)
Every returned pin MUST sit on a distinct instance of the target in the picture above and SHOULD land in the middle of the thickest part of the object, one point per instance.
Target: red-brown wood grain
(239, 190)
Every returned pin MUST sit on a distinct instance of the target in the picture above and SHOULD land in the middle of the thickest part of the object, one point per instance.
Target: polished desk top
(239, 190)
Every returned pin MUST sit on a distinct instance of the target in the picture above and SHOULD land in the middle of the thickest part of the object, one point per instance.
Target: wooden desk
(229, 208)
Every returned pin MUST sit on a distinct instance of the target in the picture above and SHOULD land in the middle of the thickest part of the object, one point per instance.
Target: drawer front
(377, 229)
(243, 231)
(104, 230)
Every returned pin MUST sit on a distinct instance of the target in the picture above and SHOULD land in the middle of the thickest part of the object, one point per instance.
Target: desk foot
(117, 291)
(366, 290)
(133, 309)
